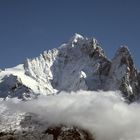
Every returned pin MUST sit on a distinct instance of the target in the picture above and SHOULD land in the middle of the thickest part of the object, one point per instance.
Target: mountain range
(78, 64)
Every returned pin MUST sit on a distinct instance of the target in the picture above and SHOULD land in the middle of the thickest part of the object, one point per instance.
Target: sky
(28, 27)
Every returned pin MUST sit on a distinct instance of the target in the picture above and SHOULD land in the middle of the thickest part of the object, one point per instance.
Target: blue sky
(28, 27)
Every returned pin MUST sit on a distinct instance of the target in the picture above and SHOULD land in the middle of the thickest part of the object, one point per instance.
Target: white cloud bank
(103, 113)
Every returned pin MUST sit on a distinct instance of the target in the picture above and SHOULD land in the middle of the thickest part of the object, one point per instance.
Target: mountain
(79, 64)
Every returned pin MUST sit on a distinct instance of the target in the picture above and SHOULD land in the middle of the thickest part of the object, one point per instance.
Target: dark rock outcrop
(52, 133)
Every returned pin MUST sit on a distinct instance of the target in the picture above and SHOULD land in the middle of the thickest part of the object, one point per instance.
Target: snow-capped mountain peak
(78, 64)
(76, 38)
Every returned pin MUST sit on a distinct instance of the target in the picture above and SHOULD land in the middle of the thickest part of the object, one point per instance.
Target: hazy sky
(28, 27)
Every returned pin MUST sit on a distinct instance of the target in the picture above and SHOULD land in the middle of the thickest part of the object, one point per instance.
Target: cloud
(104, 114)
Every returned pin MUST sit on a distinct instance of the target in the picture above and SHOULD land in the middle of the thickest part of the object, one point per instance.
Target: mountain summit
(79, 64)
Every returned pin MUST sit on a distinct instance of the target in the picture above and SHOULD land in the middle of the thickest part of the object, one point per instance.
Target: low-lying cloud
(104, 114)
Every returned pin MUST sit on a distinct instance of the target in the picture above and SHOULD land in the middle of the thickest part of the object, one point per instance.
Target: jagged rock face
(80, 64)
(123, 75)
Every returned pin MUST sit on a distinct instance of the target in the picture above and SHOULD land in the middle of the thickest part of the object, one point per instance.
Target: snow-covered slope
(78, 64)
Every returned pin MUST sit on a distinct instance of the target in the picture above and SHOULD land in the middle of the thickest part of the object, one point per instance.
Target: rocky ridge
(83, 64)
